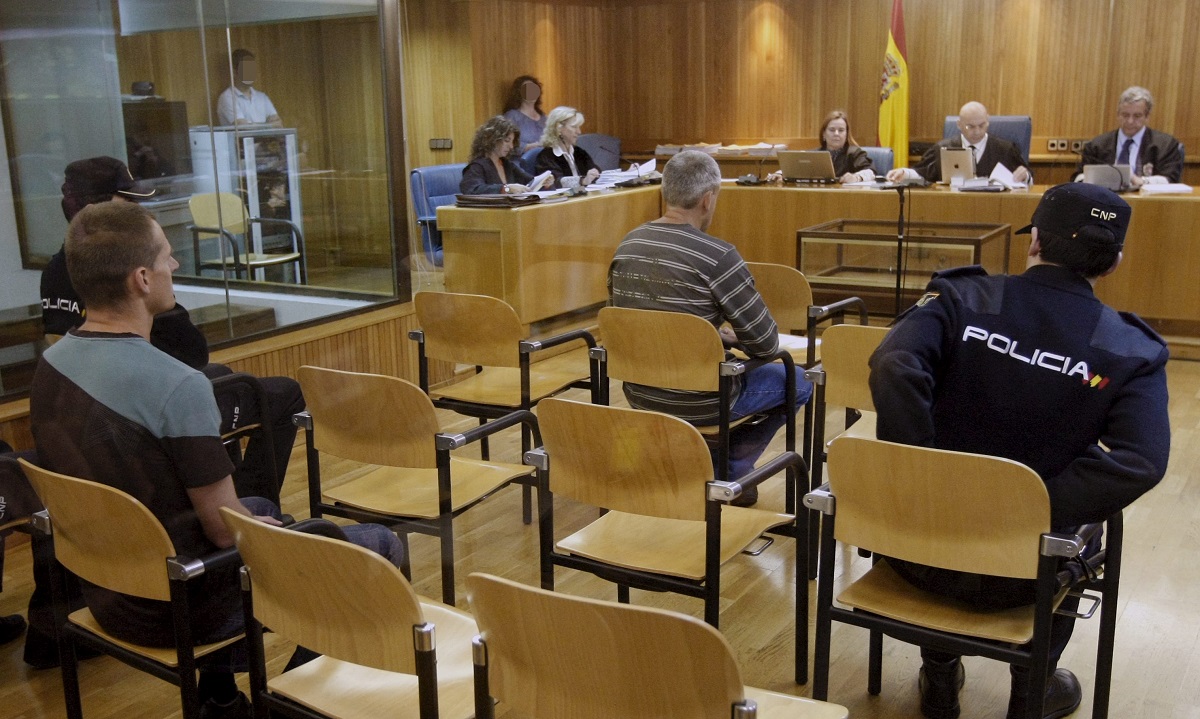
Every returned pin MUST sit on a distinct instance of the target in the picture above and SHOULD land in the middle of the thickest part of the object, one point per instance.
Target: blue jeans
(762, 391)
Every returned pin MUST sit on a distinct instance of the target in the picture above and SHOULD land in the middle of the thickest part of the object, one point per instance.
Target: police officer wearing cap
(1034, 368)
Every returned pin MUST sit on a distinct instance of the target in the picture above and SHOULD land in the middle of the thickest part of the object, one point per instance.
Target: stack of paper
(635, 171)
(764, 149)
(1171, 188)
(705, 147)
(667, 149)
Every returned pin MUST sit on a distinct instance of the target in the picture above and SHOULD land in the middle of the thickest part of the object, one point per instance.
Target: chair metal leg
(814, 542)
(447, 541)
(801, 618)
(824, 616)
(623, 593)
(875, 664)
(70, 678)
(1108, 617)
(68, 662)
(426, 661)
(485, 706)
(526, 504)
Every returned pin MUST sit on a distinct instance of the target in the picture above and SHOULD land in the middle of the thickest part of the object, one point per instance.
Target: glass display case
(847, 257)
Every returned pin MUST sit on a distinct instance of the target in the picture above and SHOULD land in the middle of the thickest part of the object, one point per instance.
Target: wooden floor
(1157, 668)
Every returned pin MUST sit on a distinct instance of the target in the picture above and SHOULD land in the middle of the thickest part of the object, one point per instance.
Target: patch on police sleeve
(927, 298)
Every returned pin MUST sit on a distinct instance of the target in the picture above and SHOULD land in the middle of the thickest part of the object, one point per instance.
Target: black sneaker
(11, 627)
(940, 683)
(239, 708)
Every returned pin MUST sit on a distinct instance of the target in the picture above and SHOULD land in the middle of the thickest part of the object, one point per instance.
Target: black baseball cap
(97, 179)
(1065, 209)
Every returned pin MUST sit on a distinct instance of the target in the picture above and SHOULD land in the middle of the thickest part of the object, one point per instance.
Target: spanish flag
(893, 90)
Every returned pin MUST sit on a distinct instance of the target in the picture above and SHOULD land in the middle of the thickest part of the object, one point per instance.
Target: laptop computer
(806, 166)
(957, 162)
(1113, 177)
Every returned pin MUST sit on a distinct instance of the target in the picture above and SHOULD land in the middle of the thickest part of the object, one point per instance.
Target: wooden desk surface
(545, 260)
(1156, 280)
(553, 259)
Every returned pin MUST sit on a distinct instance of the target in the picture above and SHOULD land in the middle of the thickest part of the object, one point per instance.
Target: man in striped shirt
(671, 264)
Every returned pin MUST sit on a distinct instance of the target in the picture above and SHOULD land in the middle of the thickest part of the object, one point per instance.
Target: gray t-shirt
(113, 409)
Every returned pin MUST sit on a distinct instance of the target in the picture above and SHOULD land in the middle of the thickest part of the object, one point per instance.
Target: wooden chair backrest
(553, 655)
(330, 596)
(625, 459)
(211, 209)
(954, 510)
(469, 329)
(845, 351)
(786, 292)
(370, 418)
(104, 535)
(674, 350)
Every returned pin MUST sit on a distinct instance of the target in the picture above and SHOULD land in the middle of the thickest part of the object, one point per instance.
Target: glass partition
(260, 125)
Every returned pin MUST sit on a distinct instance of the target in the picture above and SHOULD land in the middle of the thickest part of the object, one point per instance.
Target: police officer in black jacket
(1034, 368)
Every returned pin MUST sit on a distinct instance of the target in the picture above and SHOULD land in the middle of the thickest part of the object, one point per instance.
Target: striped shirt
(677, 268)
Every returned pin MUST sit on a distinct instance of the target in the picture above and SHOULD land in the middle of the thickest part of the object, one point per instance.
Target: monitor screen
(156, 138)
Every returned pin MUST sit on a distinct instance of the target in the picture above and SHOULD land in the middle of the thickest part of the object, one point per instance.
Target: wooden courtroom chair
(128, 552)
(223, 215)
(414, 484)
(963, 512)
(384, 650)
(666, 526)
(484, 332)
(554, 656)
(787, 294)
(679, 351)
(841, 380)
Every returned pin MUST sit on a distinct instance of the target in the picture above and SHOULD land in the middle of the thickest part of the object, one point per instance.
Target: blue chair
(605, 150)
(883, 159)
(528, 161)
(431, 188)
(1017, 129)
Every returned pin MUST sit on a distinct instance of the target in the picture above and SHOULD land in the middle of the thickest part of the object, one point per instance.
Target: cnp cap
(1065, 209)
(97, 179)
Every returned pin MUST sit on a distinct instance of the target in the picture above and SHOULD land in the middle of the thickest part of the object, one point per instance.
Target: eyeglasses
(980, 126)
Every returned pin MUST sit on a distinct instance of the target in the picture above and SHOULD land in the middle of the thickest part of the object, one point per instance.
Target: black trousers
(253, 476)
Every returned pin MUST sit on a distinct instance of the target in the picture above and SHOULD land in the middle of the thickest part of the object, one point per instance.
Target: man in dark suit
(973, 133)
(1152, 157)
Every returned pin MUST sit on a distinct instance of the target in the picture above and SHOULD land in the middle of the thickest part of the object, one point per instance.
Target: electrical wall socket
(441, 143)
(1056, 145)
(1077, 145)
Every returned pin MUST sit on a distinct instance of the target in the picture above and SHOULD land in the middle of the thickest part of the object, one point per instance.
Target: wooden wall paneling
(375, 341)
(439, 93)
(565, 45)
(1064, 89)
(1155, 45)
(659, 53)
